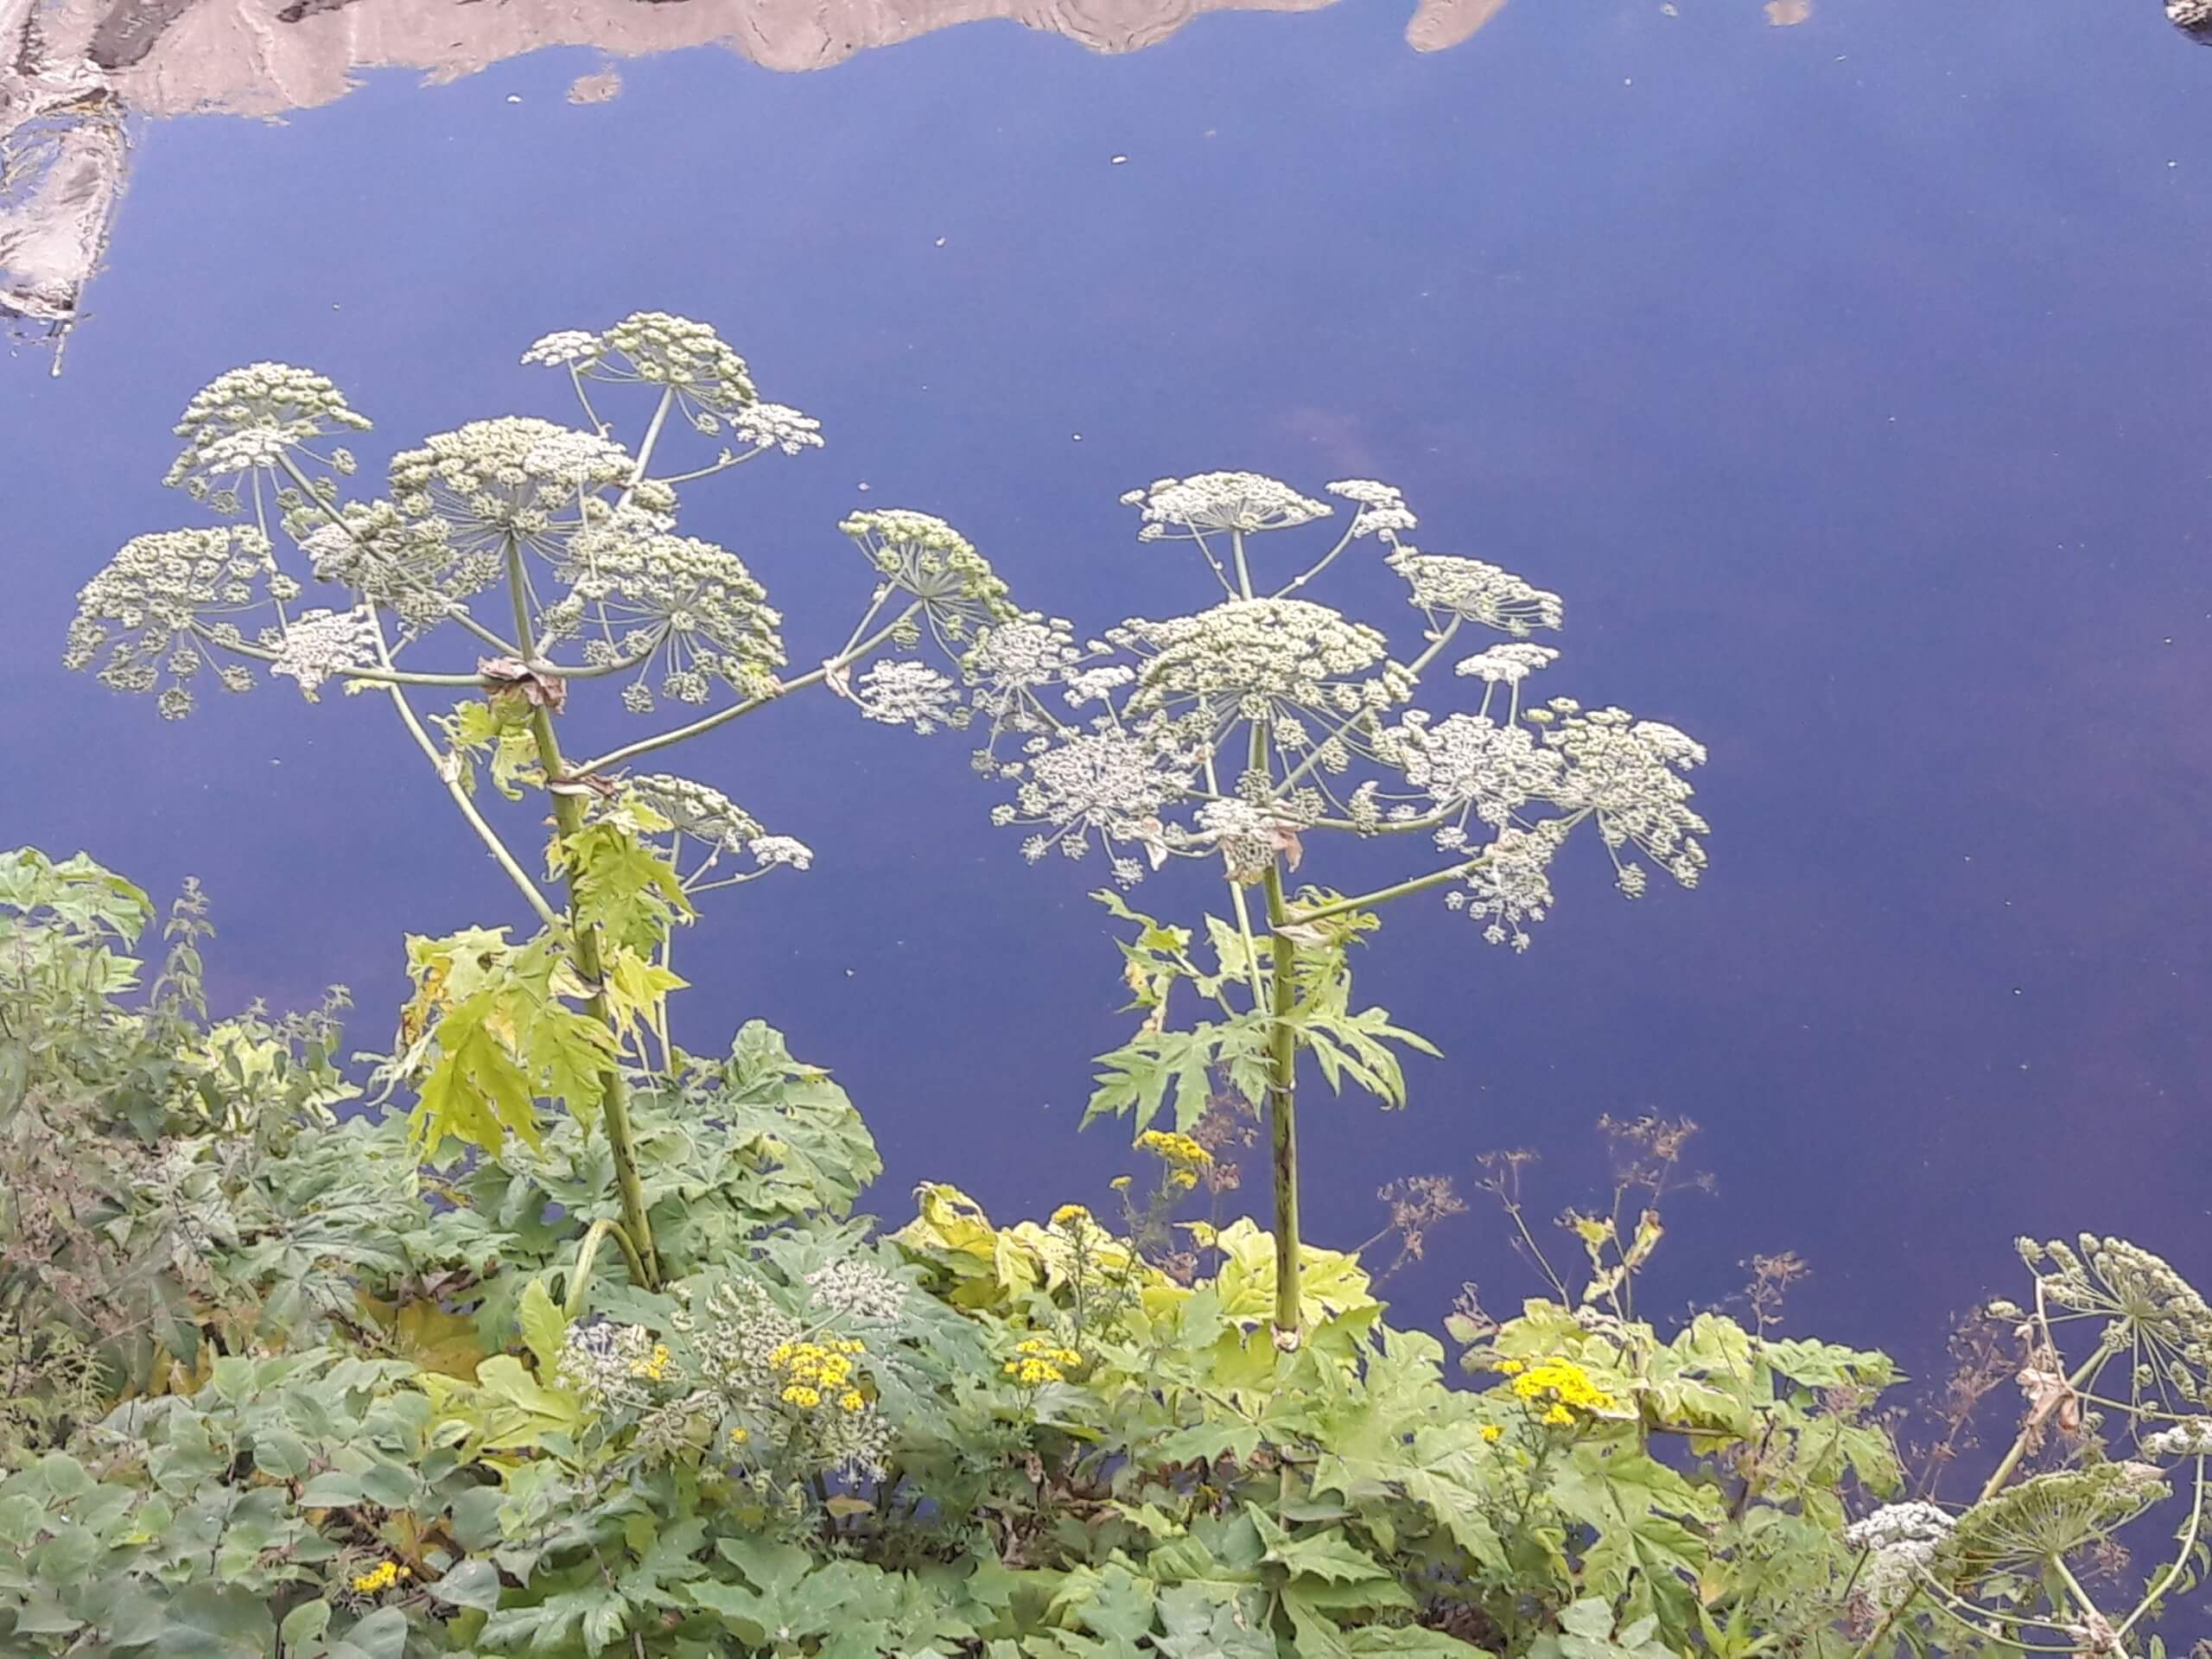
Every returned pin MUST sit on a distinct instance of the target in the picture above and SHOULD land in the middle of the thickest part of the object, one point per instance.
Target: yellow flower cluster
(817, 1370)
(1183, 1157)
(1559, 1386)
(1037, 1361)
(1492, 1433)
(382, 1576)
(653, 1366)
(1179, 1149)
(1067, 1214)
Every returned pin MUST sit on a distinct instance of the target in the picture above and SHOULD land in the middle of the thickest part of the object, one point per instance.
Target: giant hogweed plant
(517, 563)
(1247, 731)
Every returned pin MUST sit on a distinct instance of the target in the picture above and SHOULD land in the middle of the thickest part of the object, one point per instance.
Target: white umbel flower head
(563, 348)
(1467, 761)
(1249, 657)
(1900, 1539)
(689, 358)
(249, 417)
(1108, 780)
(919, 554)
(320, 644)
(1627, 773)
(1476, 591)
(1383, 510)
(1506, 664)
(776, 426)
(1512, 885)
(163, 599)
(858, 1289)
(1245, 502)
(772, 852)
(900, 692)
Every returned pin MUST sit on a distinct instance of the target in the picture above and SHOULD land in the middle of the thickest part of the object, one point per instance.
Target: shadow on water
(72, 72)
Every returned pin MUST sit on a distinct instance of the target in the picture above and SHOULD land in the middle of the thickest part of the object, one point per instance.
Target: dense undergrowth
(273, 1382)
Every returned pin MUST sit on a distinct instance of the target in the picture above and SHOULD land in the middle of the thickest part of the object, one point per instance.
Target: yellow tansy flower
(382, 1576)
(850, 1400)
(1177, 1149)
(1492, 1433)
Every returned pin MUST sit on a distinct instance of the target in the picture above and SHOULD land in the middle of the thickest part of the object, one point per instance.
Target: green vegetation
(542, 1334)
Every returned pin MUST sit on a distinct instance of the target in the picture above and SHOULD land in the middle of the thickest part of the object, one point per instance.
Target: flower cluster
(1010, 661)
(1185, 1159)
(1383, 510)
(2048, 1517)
(1476, 591)
(797, 1390)
(776, 426)
(1900, 1539)
(320, 644)
(2189, 1437)
(1508, 664)
(1512, 884)
(858, 1289)
(1108, 780)
(1466, 763)
(607, 1363)
(381, 1577)
(1560, 1387)
(1255, 659)
(1039, 1360)
(772, 852)
(686, 605)
(901, 692)
(163, 599)
(922, 556)
(2148, 1308)
(817, 1373)
(512, 477)
(247, 419)
(1239, 502)
(412, 565)
(687, 358)
(1627, 773)
(1249, 836)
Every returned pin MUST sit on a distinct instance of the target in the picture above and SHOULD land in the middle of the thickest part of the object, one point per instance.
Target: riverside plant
(1244, 731)
(550, 555)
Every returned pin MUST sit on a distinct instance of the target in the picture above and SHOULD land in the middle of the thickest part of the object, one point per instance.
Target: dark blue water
(1851, 381)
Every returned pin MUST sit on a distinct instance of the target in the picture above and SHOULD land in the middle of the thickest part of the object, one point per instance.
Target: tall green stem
(1282, 1114)
(613, 1092)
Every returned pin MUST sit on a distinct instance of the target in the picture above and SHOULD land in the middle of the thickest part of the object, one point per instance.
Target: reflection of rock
(71, 69)
(1440, 23)
(255, 57)
(62, 157)
(2192, 17)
